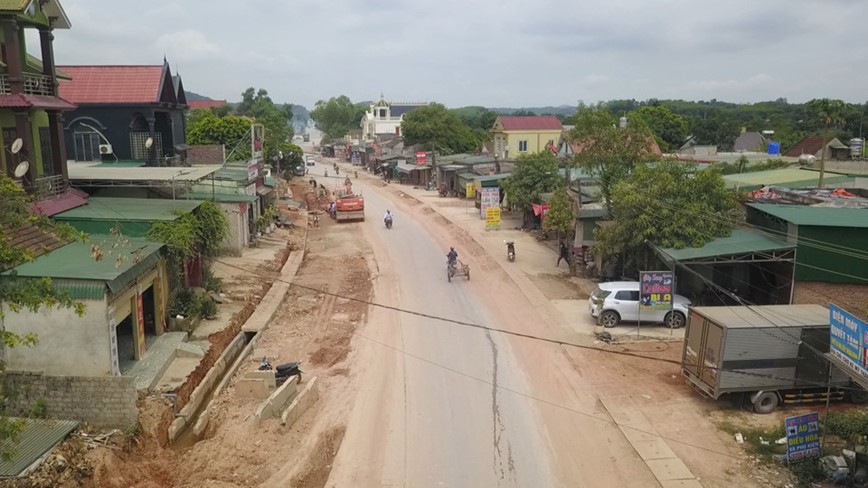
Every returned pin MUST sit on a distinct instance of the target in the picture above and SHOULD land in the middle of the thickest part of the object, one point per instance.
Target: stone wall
(104, 402)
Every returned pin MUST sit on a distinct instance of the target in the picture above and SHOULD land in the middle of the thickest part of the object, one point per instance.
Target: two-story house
(385, 118)
(132, 113)
(30, 108)
(514, 136)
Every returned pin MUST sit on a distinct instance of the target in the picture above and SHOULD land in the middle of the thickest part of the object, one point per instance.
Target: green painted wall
(38, 118)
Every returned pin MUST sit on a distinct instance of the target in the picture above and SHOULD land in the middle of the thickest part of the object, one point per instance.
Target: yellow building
(514, 136)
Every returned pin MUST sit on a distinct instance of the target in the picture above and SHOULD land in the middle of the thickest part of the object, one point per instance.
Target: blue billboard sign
(656, 289)
(803, 436)
(848, 340)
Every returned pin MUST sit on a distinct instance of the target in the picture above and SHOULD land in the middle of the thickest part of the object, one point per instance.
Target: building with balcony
(125, 113)
(385, 118)
(30, 108)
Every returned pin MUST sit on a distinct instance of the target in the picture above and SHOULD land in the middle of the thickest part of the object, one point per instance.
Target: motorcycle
(283, 371)
(388, 222)
(355, 174)
(510, 250)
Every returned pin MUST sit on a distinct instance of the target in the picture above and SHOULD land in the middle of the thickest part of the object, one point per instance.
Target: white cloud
(485, 52)
(187, 45)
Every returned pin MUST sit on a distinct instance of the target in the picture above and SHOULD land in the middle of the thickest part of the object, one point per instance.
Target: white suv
(618, 301)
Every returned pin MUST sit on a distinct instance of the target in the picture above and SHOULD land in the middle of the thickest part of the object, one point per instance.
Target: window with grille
(86, 146)
(522, 146)
(138, 149)
(47, 154)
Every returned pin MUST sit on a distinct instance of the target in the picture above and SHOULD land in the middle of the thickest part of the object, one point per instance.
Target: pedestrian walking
(564, 254)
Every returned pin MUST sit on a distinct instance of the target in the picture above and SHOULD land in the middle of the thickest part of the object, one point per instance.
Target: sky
(494, 53)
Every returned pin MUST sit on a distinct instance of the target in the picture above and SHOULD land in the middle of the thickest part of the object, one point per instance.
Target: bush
(207, 307)
(847, 424)
(213, 283)
(185, 303)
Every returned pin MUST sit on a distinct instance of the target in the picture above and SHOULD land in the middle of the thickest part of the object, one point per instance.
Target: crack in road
(497, 421)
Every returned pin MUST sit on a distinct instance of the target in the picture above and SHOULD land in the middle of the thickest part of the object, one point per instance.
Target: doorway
(149, 307)
(126, 344)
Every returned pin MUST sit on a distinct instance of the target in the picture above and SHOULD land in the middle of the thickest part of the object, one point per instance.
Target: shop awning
(408, 168)
(741, 246)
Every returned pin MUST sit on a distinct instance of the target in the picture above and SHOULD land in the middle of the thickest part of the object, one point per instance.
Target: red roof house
(121, 108)
(196, 104)
(514, 136)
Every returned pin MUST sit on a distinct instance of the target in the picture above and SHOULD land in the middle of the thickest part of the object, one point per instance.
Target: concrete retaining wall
(201, 392)
(274, 405)
(105, 402)
(307, 397)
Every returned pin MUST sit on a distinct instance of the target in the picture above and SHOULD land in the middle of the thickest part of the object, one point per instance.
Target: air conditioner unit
(105, 148)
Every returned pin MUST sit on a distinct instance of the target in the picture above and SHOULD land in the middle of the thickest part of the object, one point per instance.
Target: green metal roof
(468, 176)
(221, 197)
(80, 289)
(128, 209)
(497, 177)
(74, 261)
(234, 174)
(740, 241)
(789, 178)
(816, 216)
(269, 181)
(37, 437)
(13, 5)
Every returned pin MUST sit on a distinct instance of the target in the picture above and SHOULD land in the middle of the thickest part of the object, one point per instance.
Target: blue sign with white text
(848, 340)
(803, 436)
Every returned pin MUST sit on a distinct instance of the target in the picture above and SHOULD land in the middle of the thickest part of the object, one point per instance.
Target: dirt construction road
(441, 404)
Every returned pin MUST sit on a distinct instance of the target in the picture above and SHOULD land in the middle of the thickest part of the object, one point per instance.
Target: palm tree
(830, 113)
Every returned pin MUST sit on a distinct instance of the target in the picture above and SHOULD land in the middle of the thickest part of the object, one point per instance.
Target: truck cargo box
(757, 348)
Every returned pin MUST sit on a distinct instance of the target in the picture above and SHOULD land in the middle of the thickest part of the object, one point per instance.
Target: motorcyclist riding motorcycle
(387, 219)
(510, 250)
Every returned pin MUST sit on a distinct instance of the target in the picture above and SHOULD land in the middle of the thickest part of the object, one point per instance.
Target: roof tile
(111, 84)
(531, 122)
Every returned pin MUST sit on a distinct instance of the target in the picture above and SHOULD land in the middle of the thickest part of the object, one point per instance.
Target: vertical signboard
(257, 139)
(470, 190)
(492, 218)
(252, 169)
(489, 198)
(113, 341)
(158, 304)
(656, 289)
(421, 158)
(140, 322)
(803, 436)
(848, 341)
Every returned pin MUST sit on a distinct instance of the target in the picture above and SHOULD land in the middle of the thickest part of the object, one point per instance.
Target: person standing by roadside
(564, 254)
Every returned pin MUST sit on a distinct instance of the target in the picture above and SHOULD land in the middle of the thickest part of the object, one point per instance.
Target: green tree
(230, 131)
(336, 116)
(829, 113)
(438, 129)
(717, 128)
(533, 175)
(20, 294)
(670, 129)
(560, 214)
(274, 117)
(670, 205)
(608, 151)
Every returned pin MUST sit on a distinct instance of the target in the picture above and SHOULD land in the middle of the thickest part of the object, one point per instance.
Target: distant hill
(565, 110)
(192, 96)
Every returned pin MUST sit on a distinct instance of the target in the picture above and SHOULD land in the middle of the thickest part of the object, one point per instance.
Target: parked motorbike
(510, 250)
(283, 371)
(388, 222)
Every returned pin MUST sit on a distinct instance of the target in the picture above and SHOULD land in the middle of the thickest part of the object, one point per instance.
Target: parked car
(309, 160)
(618, 301)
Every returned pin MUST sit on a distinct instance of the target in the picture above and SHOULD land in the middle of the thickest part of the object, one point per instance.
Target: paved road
(432, 417)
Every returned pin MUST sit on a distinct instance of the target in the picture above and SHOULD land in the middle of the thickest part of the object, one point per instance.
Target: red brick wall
(205, 154)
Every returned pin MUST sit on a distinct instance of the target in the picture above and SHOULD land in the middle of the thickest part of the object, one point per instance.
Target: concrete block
(307, 397)
(281, 397)
(251, 388)
(176, 428)
(267, 376)
(202, 423)
(669, 469)
(264, 412)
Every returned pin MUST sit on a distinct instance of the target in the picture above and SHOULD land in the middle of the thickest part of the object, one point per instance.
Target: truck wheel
(609, 318)
(766, 402)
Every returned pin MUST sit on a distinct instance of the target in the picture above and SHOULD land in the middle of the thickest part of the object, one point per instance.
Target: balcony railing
(49, 187)
(33, 85)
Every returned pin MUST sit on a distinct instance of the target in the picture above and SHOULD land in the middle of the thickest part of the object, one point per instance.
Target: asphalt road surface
(445, 405)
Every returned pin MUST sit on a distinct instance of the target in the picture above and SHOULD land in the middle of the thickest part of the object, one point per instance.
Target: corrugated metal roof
(221, 197)
(789, 178)
(129, 209)
(741, 241)
(817, 216)
(37, 437)
(96, 172)
(81, 289)
(74, 262)
(767, 316)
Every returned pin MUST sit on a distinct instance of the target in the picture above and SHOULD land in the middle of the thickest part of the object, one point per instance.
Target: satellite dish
(17, 145)
(21, 169)
(149, 143)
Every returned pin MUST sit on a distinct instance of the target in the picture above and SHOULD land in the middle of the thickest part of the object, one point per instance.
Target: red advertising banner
(421, 158)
